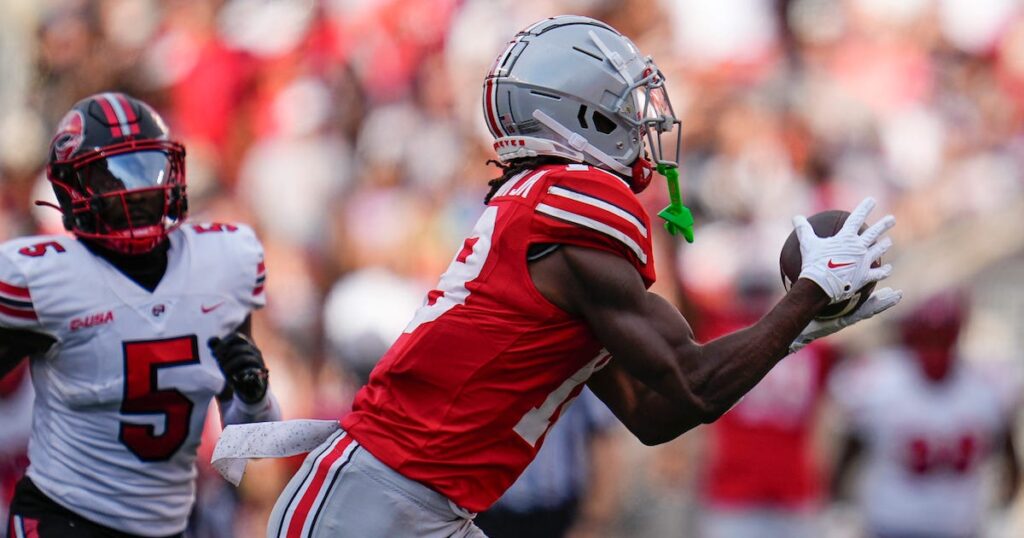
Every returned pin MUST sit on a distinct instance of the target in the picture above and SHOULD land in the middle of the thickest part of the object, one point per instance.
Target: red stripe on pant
(313, 491)
(30, 527)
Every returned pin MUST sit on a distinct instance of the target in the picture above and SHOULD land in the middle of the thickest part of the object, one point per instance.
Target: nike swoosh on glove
(879, 301)
(840, 265)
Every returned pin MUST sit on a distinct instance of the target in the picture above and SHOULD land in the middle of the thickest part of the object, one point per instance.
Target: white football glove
(879, 301)
(841, 264)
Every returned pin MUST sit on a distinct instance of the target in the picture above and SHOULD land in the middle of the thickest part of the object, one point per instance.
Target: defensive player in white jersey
(131, 326)
(924, 423)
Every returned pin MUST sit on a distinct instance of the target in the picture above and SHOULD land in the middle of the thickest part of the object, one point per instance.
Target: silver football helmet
(574, 87)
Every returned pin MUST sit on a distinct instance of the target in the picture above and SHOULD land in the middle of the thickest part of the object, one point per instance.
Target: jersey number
(39, 249)
(142, 396)
(465, 268)
(214, 227)
(957, 454)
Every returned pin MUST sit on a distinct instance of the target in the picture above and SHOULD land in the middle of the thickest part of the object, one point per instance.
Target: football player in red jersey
(547, 293)
(132, 326)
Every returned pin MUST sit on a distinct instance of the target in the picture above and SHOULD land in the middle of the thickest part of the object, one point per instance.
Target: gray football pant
(343, 491)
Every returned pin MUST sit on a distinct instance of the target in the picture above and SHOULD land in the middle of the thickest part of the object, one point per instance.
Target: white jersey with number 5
(121, 398)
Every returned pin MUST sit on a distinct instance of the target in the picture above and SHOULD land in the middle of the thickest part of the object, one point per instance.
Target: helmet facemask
(656, 119)
(125, 197)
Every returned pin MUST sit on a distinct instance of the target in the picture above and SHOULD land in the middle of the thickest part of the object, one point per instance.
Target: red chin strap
(643, 171)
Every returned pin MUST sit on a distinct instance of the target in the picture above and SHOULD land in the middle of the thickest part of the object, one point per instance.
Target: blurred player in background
(550, 285)
(924, 422)
(762, 478)
(131, 326)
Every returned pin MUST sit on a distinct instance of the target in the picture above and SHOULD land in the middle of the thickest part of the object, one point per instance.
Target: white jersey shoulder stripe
(594, 225)
(16, 302)
(599, 204)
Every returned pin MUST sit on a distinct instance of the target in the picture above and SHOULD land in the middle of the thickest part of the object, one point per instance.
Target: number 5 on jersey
(142, 396)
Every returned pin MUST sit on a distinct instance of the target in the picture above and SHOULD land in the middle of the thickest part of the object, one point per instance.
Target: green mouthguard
(678, 218)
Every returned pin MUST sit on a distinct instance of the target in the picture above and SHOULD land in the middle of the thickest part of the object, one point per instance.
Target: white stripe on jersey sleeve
(17, 310)
(594, 225)
(600, 204)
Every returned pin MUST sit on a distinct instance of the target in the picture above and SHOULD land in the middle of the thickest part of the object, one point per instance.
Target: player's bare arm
(661, 382)
(16, 345)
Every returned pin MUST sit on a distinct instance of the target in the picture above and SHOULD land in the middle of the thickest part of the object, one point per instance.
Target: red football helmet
(932, 329)
(119, 178)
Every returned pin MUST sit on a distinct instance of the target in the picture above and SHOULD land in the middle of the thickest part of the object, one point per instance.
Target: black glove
(242, 364)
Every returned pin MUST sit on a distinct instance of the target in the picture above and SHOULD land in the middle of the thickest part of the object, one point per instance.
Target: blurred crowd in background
(349, 133)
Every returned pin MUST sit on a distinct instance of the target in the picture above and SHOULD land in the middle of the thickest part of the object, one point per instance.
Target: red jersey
(761, 450)
(462, 401)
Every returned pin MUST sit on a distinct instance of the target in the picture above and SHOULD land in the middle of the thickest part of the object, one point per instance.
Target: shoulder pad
(19, 259)
(244, 252)
(586, 206)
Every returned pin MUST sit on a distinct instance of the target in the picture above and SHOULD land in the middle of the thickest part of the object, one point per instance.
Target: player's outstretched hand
(879, 301)
(242, 364)
(841, 264)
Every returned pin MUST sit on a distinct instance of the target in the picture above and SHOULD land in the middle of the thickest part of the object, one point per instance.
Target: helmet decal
(70, 133)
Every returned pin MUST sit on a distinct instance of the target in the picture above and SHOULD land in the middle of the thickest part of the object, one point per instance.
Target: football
(825, 224)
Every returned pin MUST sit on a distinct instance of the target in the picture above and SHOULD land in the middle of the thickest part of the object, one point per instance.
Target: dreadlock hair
(516, 166)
